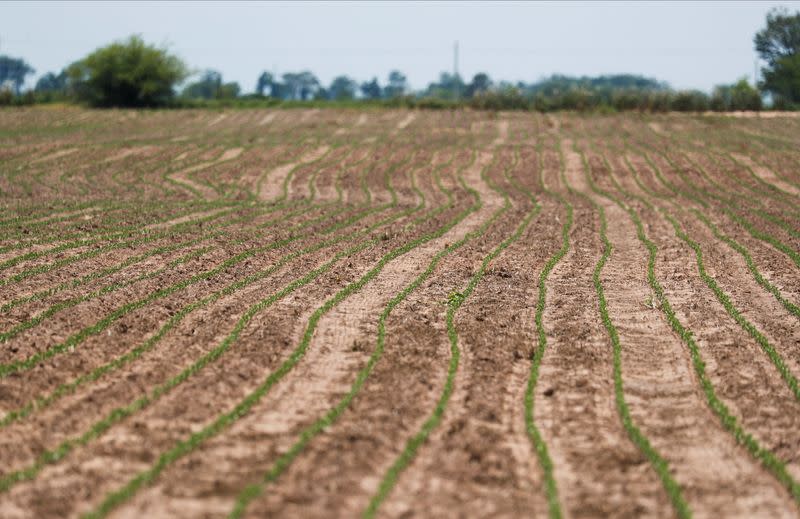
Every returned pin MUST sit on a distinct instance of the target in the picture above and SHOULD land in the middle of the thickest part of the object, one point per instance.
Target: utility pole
(455, 70)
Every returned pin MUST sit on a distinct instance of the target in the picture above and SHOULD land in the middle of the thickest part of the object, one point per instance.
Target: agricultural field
(343, 313)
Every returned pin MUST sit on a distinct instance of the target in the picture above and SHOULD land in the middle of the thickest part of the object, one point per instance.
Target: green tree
(265, 81)
(783, 82)
(738, 96)
(207, 87)
(342, 87)
(480, 84)
(127, 73)
(229, 90)
(721, 98)
(52, 83)
(300, 85)
(778, 44)
(448, 87)
(210, 86)
(371, 89)
(13, 72)
(685, 101)
(291, 82)
(398, 84)
(309, 84)
(744, 96)
(321, 94)
(278, 90)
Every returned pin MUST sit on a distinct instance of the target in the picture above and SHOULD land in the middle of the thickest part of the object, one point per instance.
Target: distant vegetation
(129, 73)
(134, 74)
(12, 73)
(778, 44)
(210, 86)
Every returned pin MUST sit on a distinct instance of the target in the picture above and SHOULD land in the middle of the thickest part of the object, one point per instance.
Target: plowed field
(322, 313)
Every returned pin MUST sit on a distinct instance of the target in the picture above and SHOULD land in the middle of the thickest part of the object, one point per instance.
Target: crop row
(728, 420)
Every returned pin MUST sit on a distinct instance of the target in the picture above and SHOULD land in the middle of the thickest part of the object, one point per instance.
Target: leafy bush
(690, 101)
(745, 97)
(739, 96)
(127, 74)
(627, 100)
(510, 99)
(660, 102)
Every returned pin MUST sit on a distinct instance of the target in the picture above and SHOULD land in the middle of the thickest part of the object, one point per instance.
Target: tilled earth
(323, 313)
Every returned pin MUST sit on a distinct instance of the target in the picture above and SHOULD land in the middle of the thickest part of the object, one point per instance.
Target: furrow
(120, 413)
(737, 482)
(183, 447)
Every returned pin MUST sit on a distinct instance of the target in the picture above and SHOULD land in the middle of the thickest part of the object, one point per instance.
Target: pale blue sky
(690, 45)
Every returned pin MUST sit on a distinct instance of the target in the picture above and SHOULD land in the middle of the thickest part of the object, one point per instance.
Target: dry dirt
(323, 313)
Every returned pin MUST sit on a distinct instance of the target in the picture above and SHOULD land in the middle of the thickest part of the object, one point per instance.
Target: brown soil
(407, 174)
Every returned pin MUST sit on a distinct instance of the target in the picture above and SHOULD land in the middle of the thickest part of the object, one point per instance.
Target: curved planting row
(729, 421)
(389, 313)
(115, 498)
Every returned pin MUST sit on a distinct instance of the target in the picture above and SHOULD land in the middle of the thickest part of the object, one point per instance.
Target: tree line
(132, 73)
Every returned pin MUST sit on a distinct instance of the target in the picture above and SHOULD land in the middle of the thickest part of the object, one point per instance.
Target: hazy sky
(690, 45)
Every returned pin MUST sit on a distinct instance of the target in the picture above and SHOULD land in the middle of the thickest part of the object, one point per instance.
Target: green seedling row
(184, 447)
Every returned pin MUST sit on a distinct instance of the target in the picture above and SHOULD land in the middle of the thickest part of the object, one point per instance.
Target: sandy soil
(405, 121)
(183, 176)
(211, 343)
